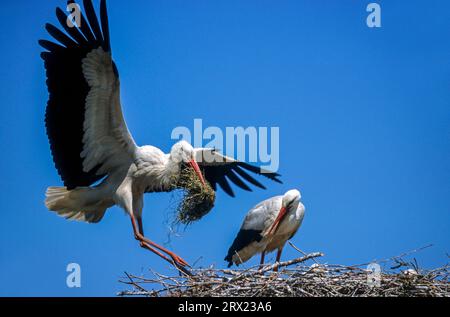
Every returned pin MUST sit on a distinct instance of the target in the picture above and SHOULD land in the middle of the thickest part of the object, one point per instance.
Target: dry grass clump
(197, 199)
(297, 280)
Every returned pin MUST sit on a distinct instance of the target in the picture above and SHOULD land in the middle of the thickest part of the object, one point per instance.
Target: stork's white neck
(156, 170)
(293, 218)
(160, 171)
(181, 152)
(172, 169)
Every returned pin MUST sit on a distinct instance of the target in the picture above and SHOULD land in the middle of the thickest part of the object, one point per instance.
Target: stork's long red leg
(261, 263)
(150, 245)
(144, 244)
(279, 254)
(141, 226)
(175, 257)
(278, 258)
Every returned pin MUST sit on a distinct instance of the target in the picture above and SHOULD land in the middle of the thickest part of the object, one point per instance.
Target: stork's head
(291, 199)
(183, 153)
(289, 203)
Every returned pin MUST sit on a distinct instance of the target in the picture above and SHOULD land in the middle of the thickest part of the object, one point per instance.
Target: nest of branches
(296, 279)
(197, 199)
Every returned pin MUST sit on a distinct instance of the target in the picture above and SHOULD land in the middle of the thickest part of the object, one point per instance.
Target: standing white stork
(93, 151)
(267, 227)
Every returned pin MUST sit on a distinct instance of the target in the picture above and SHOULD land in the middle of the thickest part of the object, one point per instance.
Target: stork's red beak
(197, 170)
(277, 221)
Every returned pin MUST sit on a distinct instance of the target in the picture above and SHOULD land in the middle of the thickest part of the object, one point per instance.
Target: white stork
(267, 227)
(93, 151)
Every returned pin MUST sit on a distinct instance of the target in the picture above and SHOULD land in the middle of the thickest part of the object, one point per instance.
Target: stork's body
(151, 170)
(90, 141)
(267, 227)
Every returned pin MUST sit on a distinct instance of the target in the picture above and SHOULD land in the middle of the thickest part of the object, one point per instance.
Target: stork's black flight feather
(68, 90)
(243, 239)
(235, 172)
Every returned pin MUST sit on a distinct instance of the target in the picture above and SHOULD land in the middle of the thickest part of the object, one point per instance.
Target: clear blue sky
(364, 117)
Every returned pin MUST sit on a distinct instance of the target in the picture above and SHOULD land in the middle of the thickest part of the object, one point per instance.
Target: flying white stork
(267, 227)
(93, 151)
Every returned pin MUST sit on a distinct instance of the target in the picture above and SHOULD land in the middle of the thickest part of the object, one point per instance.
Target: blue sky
(364, 123)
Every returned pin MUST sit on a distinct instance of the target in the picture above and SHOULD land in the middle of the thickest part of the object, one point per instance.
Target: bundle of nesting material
(198, 198)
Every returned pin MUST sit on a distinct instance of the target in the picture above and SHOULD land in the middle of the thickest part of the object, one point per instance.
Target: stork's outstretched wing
(220, 169)
(85, 126)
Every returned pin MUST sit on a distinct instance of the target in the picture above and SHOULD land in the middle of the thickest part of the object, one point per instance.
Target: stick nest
(296, 280)
(197, 199)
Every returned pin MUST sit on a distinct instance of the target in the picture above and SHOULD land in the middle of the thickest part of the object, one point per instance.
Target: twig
(296, 248)
(291, 262)
(136, 285)
(396, 257)
(297, 279)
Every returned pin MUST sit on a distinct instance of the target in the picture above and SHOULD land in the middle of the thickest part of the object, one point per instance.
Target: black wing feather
(50, 46)
(60, 36)
(257, 170)
(223, 183)
(73, 32)
(237, 181)
(236, 173)
(105, 25)
(85, 27)
(93, 21)
(243, 239)
(248, 178)
(68, 89)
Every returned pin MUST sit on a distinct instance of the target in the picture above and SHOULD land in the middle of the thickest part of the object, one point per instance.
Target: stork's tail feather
(77, 204)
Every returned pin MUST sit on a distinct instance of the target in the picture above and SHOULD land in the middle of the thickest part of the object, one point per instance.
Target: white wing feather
(107, 141)
(262, 216)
